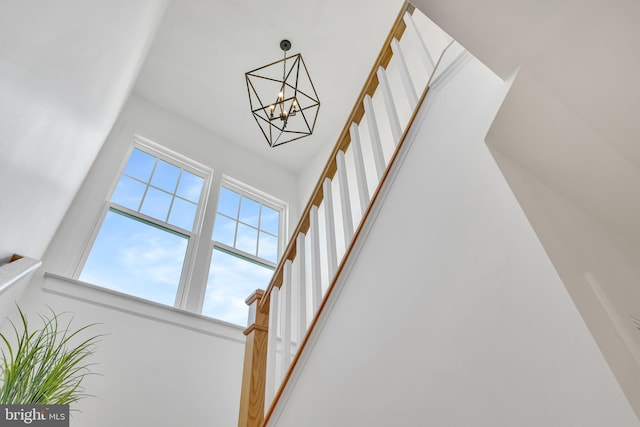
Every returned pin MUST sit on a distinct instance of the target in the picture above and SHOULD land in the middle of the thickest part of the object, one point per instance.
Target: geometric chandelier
(283, 99)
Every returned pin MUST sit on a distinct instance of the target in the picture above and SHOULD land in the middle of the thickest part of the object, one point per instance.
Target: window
(247, 225)
(148, 224)
(245, 252)
(146, 244)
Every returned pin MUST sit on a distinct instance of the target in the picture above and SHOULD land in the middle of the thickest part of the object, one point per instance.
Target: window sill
(96, 295)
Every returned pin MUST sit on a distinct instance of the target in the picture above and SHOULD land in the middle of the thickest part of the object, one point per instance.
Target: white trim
(88, 244)
(350, 262)
(407, 82)
(194, 292)
(145, 218)
(427, 60)
(12, 272)
(330, 228)
(265, 199)
(451, 69)
(253, 193)
(108, 298)
(345, 201)
(361, 175)
(272, 339)
(168, 155)
(374, 136)
(242, 254)
(390, 106)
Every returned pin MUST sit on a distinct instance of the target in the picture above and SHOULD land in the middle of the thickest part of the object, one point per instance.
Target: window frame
(192, 287)
(165, 154)
(261, 197)
(264, 199)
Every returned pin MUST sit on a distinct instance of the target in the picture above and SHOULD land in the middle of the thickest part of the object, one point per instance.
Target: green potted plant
(47, 365)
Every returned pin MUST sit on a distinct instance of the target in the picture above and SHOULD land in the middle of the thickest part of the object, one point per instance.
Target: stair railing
(282, 317)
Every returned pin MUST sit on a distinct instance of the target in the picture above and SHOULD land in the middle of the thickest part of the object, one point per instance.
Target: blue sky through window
(159, 189)
(231, 280)
(247, 225)
(137, 258)
(143, 257)
(142, 244)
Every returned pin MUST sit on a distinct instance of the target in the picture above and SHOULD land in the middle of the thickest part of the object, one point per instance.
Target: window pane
(165, 176)
(228, 203)
(134, 257)
(224, 230)
(156, 204)
(231, 281)
(269, 220)
(128, 193)
(268, 247)
(247, 239)
(182, 214)
(140, 165)
(190, 186)
(249, 212)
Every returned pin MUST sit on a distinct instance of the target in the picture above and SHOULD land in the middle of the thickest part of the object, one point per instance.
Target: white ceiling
(571, 118)
(196, 65)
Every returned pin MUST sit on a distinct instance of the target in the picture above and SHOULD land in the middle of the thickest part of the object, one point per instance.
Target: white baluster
(316, 285)
(405, 76)
(345, 201)
(390, 106)
(363, 187)
(330, 228)
(272, 347)
(302, 287)
(427, 60)
(286, 316)
(374, 134)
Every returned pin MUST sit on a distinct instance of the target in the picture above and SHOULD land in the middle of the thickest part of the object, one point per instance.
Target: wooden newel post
(255, 363)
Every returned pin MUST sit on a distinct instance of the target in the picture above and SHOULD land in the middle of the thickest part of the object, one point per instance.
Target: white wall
(145, 119)
(65, 70)
(580, 195)
(596, 266)
(160, 366)
(183, 370)
(452, 314)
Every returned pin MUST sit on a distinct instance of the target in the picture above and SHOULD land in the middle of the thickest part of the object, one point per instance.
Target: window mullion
(151, 220)
(242, 254)
(235, 234)
(174, 195)
(193, 291)
(239, 270)
(258, 238)
(147, 184)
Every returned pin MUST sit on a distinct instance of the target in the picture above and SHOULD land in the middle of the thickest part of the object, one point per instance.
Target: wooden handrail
(344, 260)
(344, 140)
(354, 240)
(254, 375)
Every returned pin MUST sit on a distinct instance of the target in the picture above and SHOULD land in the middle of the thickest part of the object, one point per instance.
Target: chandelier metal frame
(293, 113)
